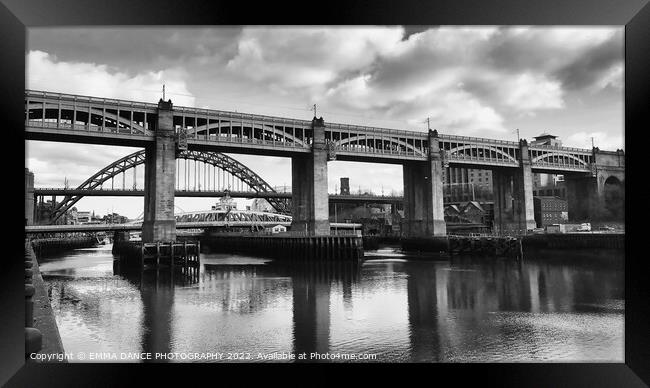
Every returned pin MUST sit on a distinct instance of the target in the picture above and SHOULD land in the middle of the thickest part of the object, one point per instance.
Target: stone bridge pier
(159, 223)
(309, 198)
(424, 214)
(513, 195)
(600, 194)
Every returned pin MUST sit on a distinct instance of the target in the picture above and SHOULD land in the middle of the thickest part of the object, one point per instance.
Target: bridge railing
(66, 124)
(393, 150)
(543, 147)
(224, 137)
(476, 140)
(90, 99)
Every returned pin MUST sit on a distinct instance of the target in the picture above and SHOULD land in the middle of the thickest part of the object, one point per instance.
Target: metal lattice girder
(240, 171)
(218, 160)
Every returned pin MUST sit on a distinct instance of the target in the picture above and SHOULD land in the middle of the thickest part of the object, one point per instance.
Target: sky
(472, 81)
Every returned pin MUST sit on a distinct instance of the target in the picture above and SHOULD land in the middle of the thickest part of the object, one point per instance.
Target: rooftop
(545, 136)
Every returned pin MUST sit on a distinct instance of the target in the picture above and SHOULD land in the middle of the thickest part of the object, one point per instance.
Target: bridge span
(34, 229)
(339, 198)
(168, 132)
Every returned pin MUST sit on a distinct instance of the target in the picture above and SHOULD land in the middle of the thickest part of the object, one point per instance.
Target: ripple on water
(398, 309)
(525, 337)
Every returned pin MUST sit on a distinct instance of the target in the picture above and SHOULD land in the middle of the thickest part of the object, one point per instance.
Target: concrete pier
(310, 210)
(423, 197)
(160, 176)
(513, 196)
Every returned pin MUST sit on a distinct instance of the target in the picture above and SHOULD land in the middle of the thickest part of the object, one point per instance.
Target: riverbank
(44, 319)
(574, 241)
(52, 245)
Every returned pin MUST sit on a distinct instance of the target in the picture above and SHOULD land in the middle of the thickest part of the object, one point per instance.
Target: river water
(391, 308)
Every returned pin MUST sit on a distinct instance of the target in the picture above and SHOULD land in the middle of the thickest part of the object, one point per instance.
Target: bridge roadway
(166, 131)
(50, 191)
(93, 120)
(32, 229)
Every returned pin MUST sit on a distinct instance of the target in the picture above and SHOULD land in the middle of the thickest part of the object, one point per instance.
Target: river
(391, 308)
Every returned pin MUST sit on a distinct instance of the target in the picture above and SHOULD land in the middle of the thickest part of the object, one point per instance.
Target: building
(261, 205)
(345, 186)
(84, 217)
(278, 229)
(452, 213)
(225, 203)
(466, 184)
(555, 189)
(71, 217)
(114, 218)
(547, 140)
(550, 210)
(548, 184)
(474, 213)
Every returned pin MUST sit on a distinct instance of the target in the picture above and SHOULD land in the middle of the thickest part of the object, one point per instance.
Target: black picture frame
(17, 15)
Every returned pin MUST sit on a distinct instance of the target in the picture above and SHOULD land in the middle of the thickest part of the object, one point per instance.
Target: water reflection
(400, 309)
(422, 312)
(157, 295)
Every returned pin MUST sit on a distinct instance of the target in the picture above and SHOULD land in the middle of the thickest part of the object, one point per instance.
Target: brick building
(550, 210)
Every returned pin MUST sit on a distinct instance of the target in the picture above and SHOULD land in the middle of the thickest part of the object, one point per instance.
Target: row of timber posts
(187, 257)
(156, 254)
(300, 248)
(486, 246)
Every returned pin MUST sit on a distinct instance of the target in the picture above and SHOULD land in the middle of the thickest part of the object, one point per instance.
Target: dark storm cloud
(134, 49)
(468, 78)
(590, 67)
(578, 57)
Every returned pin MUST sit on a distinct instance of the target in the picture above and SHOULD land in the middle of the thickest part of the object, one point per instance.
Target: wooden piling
(171, 255)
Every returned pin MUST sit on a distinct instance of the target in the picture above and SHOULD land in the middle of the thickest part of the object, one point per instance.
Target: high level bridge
(166, 131)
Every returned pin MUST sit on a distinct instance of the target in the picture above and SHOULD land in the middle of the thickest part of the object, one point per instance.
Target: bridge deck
(83, 119)
(31, 229)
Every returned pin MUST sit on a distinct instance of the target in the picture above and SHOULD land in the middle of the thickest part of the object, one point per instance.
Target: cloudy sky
(472, 81)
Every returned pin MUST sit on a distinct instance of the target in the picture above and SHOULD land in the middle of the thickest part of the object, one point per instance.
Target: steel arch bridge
(218, 160)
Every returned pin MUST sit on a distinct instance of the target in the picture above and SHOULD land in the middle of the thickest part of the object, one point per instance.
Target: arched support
(392, 142)
(455, 152)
